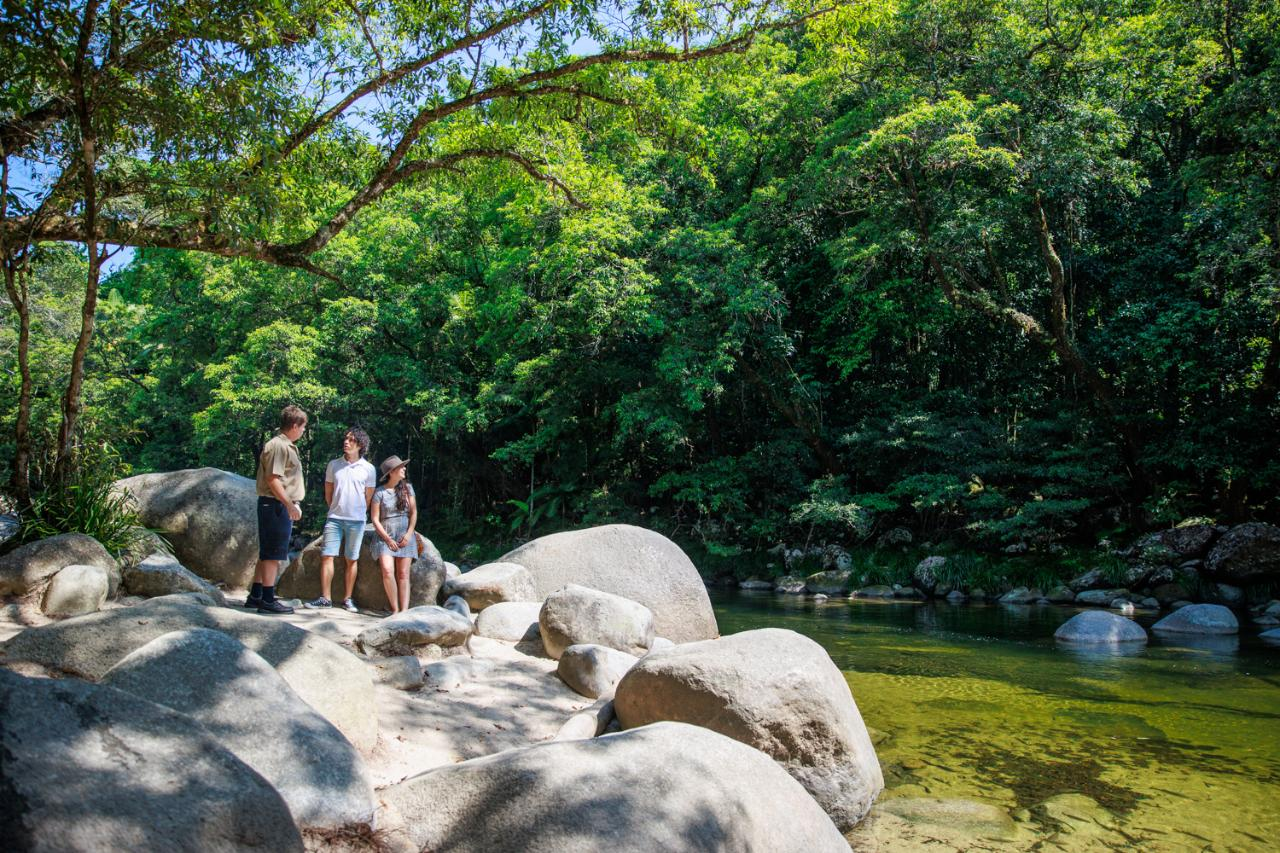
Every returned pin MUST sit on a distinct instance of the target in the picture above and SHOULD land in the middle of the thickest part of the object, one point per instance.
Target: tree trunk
(16, 286)
(71, 403)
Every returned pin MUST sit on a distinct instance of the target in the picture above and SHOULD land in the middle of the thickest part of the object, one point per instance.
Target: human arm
(276, 483)
(413, 521)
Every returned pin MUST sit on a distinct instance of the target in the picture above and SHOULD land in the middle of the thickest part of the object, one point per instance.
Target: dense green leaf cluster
(1002, 273)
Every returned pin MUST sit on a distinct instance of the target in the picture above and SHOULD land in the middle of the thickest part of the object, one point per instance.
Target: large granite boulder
(326, 676)
(162, 574)
(577, 614)
(1248, 553)
(775, 690)
(411, 629)
(1100, 627)
(29, 567)
(208, 515)
(632, 562)
(243, 702)
(662, 787)
(513, 621)
(1176, 546)
(833, 582)
(493, 583)
(426, 574)
(90, 768)
(1199, 619)
(593, 671)
(76, 590)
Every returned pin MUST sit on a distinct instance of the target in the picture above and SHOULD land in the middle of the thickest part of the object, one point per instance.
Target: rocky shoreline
(1196, 563)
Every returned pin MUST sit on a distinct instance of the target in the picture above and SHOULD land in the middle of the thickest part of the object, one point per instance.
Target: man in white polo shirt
(348, 487)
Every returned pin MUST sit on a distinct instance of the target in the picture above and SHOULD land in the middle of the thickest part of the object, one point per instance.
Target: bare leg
(389, 581)
(326, 576)
(352, 567)
(402, 580)
(265, 572)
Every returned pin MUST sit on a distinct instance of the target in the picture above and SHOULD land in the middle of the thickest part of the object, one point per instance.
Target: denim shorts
(342, 535)
(275, 527)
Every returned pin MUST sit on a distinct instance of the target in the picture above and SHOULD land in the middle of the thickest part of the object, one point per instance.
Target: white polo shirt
(350, 479)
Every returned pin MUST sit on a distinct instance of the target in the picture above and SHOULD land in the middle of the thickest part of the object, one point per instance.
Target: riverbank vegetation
(1003, 275)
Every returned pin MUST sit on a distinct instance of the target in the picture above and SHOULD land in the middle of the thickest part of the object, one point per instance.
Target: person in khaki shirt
(280, 491)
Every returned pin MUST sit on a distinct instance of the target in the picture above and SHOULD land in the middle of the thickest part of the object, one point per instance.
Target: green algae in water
(1176, 746)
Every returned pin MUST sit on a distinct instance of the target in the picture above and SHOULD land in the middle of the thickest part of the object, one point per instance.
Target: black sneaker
(274, 606)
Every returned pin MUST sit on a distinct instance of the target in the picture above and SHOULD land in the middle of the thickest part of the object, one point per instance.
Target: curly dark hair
(361, 437)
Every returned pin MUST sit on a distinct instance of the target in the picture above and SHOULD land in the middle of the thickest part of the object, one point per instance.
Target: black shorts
(275, 528)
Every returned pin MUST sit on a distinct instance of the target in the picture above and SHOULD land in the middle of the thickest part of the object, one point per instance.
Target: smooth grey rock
(451, 570)
(1021, 595)
(403, 672)
(1232, 596)
(9, 527)
(1100, 626)
(196, 599)
(1247, 554)
(426, 574)
(1092, 579)
(955, 596)
(790, 585)
(1100, 597)
(162, 574)
(909, 592)
(637, 564)
(590, 722)
(209, 516)
(493, 583)
(244, 703)
(755, 583)
(660, 643)
(925, 575)
(418, 626)
(662, 787)
(1124, 605)
(820, 598)
(1273, 608)
(875, 591)
(512, 621)
(75, 591)
(576, 614)
(458, 605)
(775, 690)
(1150, 603)
(1266, 620)
(326, 676)
(1199, 619)
(833, 582)
(592, 670)
(978, 594)
(1178, 605)
(453, 672)
(26, 568)
(1272, 636)
(90, 768)
(1060, 595)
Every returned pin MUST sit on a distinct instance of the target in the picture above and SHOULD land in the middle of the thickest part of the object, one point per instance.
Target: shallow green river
(1175, 746)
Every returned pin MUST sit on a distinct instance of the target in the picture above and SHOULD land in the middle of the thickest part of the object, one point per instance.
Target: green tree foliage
(1002, 273)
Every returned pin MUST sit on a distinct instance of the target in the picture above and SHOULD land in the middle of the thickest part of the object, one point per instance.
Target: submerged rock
(1100, 626)
(1199, 619)
(583, 796)
(972, 818)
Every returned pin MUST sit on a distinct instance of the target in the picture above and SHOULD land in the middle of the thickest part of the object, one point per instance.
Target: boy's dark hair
(291, 416)
(361, 437)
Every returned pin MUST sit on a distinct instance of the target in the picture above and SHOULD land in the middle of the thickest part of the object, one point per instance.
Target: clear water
(1175, 746)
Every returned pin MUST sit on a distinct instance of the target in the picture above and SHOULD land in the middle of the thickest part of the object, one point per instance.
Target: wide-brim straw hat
(390, 464)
